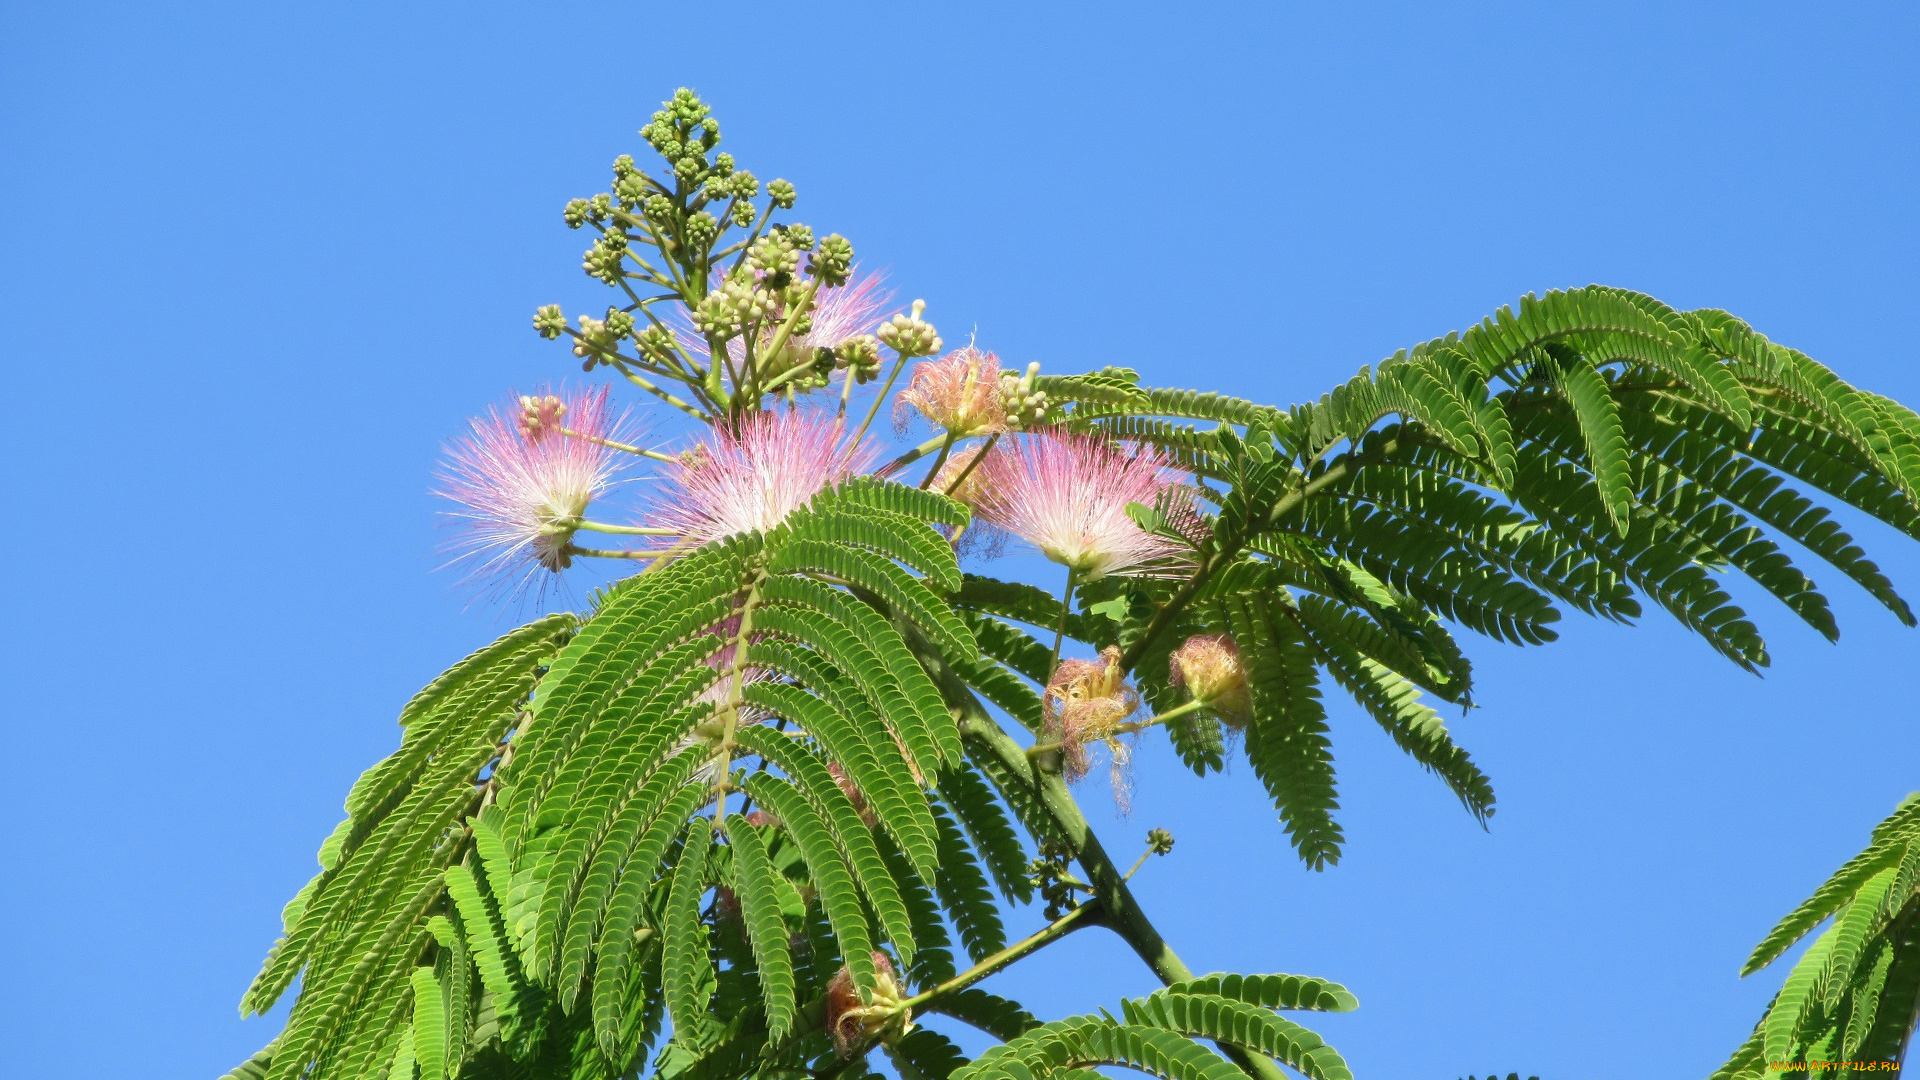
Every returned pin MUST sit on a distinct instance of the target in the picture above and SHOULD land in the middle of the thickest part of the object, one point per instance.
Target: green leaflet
(687, 978)
(1241, 1024)
(766, 928)
(829, 872)
(963, 891)
(1096, 1040)
(1852, 994)
(1286, 741)
(925, 1055)
(430, 1022)
(627, 912)
(872, 758)
(991, 831)
(1003, 1019)
(1271, 991)
(809, 774)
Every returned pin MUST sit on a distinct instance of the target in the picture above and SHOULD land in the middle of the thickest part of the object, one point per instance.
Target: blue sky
(260, 263)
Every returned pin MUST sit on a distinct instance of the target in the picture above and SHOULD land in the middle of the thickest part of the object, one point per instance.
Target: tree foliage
(1855, 992)
(749, 814)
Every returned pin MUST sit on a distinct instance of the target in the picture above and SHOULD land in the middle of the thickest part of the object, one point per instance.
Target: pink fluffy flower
(521, 486)
(1068, 496)
(959, 392)
(750, 477)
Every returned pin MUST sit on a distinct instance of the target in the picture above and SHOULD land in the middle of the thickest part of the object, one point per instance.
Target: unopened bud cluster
(540, 416)
(1024, 406)
(909, 335)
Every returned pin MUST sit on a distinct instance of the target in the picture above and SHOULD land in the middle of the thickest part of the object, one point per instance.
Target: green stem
(911, 456)
(946, 446)
(1084, 915)
(690, 409)
(620, 530)
(972, 464)
(607, 553)
(1060, 629)
(886, 389)
(611, 445)
(737, 678)
(1127, 729)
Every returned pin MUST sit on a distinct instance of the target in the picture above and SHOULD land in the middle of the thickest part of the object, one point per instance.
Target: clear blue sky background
(260, 262)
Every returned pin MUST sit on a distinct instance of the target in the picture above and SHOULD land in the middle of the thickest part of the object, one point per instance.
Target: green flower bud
(1025, 407)
(833, 263)
(745, 185)
(774, 255)
(619, 323)
(781, 193)
(654, 343)
(743, 215)
(701, 228)
(801, 235)
(690, 167)
(548, 322)
(1159, 841)
(909, 335)
(603, 261)
(623, 166)
(723, 164)
(592, 331)
(575, 213)
(599, 206)
(631, 189)
(860, 353)
(659, 207)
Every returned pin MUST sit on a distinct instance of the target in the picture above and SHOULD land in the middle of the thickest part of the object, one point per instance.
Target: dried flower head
(1068, 496)
(1086, 702)
(522, 487)
(851, 1021)
(1209, 667)
(749, 477)
(960, 392)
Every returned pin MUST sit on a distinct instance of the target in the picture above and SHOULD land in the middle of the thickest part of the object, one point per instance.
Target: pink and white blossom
(750, 476)
(522, 487)
(960, 392)
(1068, 494)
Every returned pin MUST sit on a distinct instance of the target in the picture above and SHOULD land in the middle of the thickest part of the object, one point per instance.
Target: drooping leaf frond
(1852, 995)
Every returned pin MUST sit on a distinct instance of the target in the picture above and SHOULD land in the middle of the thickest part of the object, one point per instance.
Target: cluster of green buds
(1055, 880)
(860, 356)
(1025, 405)
(776, 310)
(600, 338)
(910, 335)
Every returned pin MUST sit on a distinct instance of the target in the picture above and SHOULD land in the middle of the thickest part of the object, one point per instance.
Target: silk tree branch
(1120, 911)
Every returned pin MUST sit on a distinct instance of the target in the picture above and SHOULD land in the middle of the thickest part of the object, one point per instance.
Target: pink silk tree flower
(959, 392)
(749, 477)
(1067, 495)
(522, 486)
